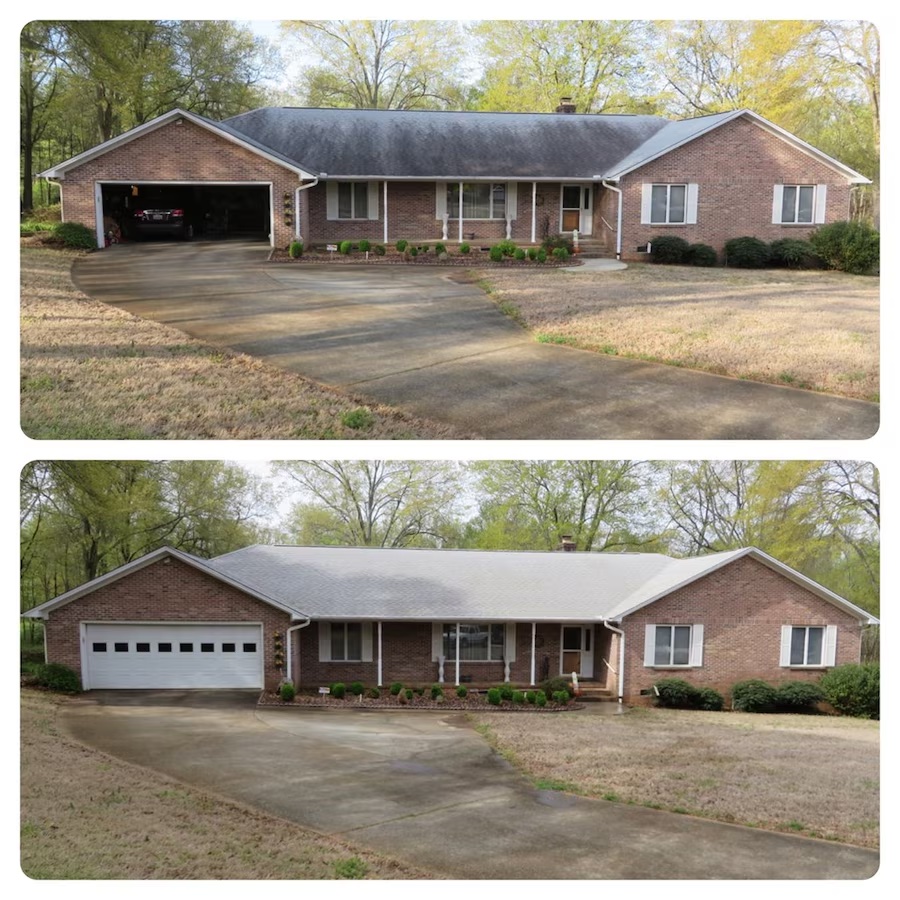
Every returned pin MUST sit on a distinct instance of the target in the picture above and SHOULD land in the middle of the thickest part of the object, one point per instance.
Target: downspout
(618, 191)
(290, 655)
(621, 678)
(303, 187)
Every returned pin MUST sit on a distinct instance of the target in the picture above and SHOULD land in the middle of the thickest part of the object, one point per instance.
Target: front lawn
(809, 329)
(810, 775)
(87, 815)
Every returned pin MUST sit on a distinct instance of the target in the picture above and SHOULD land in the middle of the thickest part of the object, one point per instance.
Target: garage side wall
(165, 591)
(173, 152)
(742, 608)
(736, 167)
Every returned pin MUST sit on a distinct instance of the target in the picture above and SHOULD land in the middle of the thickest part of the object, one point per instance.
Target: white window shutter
(367, 642)
(373, 202)
(786, 632)
(512, 199)
(649, 645)
(437, 641)
(777, 198)
(440, 199)
(697, 645)
(324, 641)
(830, 653)
(691, 211)
(331, 200)
(509, 647)
(821, 195)
(646, 201)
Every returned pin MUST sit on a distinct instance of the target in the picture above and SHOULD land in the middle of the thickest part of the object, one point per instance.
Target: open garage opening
(166, 211)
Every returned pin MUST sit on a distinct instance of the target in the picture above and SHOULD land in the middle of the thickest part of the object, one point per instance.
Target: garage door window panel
(164, 648)
(186, 648)
(142, 648)
(120, 647)
(207, 648)
(249, 648)
(228, 648)
(99, 647)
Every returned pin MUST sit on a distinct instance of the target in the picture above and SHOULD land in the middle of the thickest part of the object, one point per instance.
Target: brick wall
(736, 167)
(183, 152)
(165, 591)
(742, 607)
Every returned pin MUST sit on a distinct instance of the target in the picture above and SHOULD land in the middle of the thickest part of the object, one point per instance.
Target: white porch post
(533, 233)
(457, 630)
(460, 240)
(533, 636)
(380, 667)
(384, 204)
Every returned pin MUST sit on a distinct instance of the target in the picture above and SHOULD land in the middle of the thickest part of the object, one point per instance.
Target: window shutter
(367, 642)
(691, 211)
(331, 200)
(324, 641)
(777, 198)
(821, 195)
(509, 647)
(437, 641)
(512, 199)
(786, 631)
(373, 214)
(697, 645)
(440, 200)
(649, 644)
(646, 200)
(828, 657)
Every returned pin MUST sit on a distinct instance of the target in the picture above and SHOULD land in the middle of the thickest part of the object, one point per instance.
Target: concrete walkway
(425, 788)
(413, 338)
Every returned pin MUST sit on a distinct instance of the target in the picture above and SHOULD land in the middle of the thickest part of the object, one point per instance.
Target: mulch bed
(471, 260)
(471, 703)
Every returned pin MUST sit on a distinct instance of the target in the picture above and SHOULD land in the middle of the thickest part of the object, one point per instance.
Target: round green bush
(542, 255)
(408, 693)
(520, 253)
(518, 697)
(507, 248)
(557, 683)
(540, 698)
(561, 253)
(287, 692)
(401, 246)
(493, 697)
(530, 696)
(436, 691)
(561, 697)
(532, 253)
(338, 689)
(413, 251)
(668, 250)
(365, 246)
(496, 253)
(374, 693)
(701, 255)
(506, 691)
(57, 677)
(345, 247)
(379, 249)
(753, 696)
(676, 693)
(793, 254)
(554, 241)
(746, 253)
(357, 688)
(396, 687)
(75, 235)
(295, 250)
(439, 248)
(708, 698)
(798, 696)
(464, 248)
(462, 691)
(847, 246)
(854, 689)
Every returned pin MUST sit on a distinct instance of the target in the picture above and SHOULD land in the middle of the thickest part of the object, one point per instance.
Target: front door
(577, 651)
(577, 209)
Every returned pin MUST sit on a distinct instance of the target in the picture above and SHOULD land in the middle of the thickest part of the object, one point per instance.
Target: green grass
(554, 784)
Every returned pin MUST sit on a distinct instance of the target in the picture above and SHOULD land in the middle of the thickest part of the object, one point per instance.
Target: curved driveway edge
(413, 339)
(426, 788)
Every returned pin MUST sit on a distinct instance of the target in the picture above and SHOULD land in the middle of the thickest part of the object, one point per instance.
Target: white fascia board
(456, 178)
(58, 172)
(463, 620)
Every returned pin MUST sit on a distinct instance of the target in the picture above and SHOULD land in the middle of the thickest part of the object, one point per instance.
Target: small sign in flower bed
(502, 698)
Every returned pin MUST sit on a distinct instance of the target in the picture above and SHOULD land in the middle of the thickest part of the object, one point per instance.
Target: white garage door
(173, 656)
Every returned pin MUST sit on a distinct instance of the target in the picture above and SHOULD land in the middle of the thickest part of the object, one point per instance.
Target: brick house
(316, 615)
(326, 175)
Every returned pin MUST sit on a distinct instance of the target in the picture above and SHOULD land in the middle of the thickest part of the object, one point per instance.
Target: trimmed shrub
(542, 255)
(676, 693)
(555, 241)
(561, 697)
(462, 692)
(295, 251)
(57, 677)
(540, 698)
(669, 250)
(506, 691)
(847, 246)
(518, 697)
(379, 249)
(708, 698)
(436, 691)
(701, 255)
(75, 235)
(464, 248)
(345, 247)
(365, 246)
(413, 251)
(440, 248)
(401, 246)
(530, 696)
(532, 253)
(507, 248)
(561, 253)
(520, 253)
(357, 688)
(493, 697)
(373, 693)
(338, 689)
(753, 696)
(396, 687)
(287, 692)
(746, 253)
(496, 253)
(798, 696)
(408, 693)
(853, 689)
(557, 683)
(793, 254)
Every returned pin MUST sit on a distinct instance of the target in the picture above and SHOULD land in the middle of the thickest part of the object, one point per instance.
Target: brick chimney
(566, 106)
(567, 543)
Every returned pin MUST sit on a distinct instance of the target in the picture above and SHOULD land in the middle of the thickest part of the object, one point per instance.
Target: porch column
(533, 240)
(460, 240)
(384, 204)
(380, 667)
(533, 635)
(457, 632)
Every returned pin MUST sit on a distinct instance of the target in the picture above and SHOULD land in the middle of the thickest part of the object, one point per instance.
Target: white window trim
(489, 625)
(691, 194)
(332, 206)
(491, 184)
(820, 195)
(695, 651)
(325, 642)
(829, 647)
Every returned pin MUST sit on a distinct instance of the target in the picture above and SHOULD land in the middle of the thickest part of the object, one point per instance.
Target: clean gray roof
(357, 143)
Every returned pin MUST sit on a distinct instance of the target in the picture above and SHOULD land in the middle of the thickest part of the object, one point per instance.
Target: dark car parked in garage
(163, 221)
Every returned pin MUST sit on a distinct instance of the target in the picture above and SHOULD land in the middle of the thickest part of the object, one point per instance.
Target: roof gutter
(618, 191)
(620, 687)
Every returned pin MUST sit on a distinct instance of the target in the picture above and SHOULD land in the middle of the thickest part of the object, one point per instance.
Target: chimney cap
(566, 105)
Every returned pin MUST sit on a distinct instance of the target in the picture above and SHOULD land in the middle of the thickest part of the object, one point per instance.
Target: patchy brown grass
(91, 371)
(809, 775)
(810, 329)
(87, 815)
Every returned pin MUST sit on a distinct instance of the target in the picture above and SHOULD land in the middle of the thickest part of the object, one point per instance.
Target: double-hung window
(669, 204)
(477, 643)
(799, 204)
(808, 645)
(353, 200)
(667, 646)
(480, 200)
(346, 641)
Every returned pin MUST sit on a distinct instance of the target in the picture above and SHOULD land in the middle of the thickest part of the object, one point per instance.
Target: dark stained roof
(358, 143)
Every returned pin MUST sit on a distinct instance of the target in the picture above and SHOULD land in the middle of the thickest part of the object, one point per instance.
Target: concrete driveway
(425, 788)
(413, 338)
